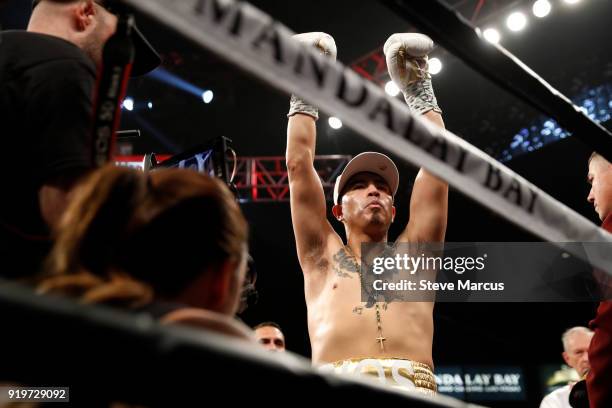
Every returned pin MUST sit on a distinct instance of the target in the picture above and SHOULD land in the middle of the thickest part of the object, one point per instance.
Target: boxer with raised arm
(345, 335)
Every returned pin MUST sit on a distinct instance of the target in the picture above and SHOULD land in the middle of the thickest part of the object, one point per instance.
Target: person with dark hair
(172, 243)
(599, 377)
(270, 335)
(47, 79)
(348, 334)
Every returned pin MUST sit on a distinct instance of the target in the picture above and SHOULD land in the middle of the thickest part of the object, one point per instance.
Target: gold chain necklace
(380, 339)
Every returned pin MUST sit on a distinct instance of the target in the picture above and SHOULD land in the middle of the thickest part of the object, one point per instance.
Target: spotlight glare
(150, 105)
(208, 96)
(435, 66)
(334, 123)
(572, 1)
(491, 35)
(391, 89)
(541, 8)
(128, 104)
(516, 21)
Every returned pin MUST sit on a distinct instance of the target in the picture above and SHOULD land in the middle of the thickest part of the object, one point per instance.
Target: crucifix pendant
(381, 340)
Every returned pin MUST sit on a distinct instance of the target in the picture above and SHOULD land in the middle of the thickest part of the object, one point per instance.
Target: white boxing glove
(406, 55)
(324, 42)
(327, 46)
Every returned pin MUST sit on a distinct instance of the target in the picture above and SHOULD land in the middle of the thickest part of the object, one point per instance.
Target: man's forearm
(438, 188)
(301, 139)
(435, 118)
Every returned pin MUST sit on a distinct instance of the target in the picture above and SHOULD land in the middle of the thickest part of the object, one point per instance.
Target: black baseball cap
(146, 58)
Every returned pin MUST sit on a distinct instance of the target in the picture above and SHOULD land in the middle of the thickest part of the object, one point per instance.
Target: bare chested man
(343, 332)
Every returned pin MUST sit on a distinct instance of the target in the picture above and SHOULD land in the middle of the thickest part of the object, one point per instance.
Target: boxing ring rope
(261, 46)
(105, 354)
(452, 31)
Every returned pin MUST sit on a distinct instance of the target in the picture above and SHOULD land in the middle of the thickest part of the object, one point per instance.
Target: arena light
(150, 105)
(541, 8)
(596, 103)
(391, 89)
(334, 123)
(128, 104)
(207, 96)
(516, 21)
(435, 66)
(177, 82)
(572, 1)
(491, 35)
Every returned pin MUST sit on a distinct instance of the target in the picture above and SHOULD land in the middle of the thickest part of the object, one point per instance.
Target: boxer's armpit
(322, 264)
(312, 253)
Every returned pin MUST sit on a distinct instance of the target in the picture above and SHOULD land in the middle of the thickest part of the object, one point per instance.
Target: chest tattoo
(344, 264)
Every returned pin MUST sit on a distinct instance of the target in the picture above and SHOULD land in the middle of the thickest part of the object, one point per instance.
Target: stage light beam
(169, 78)
(491, 35)
(128, 104)
(207, 96)
(391, 89)
(334, 123)
(516, 21)
(541, 8)
(435, 66)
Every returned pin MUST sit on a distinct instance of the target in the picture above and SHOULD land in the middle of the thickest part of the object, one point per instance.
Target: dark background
(570, 48)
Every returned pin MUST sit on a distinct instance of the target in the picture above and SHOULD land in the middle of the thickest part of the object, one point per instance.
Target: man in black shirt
(47, 79)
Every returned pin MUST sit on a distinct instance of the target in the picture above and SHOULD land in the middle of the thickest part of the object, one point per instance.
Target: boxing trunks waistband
(395, 372)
